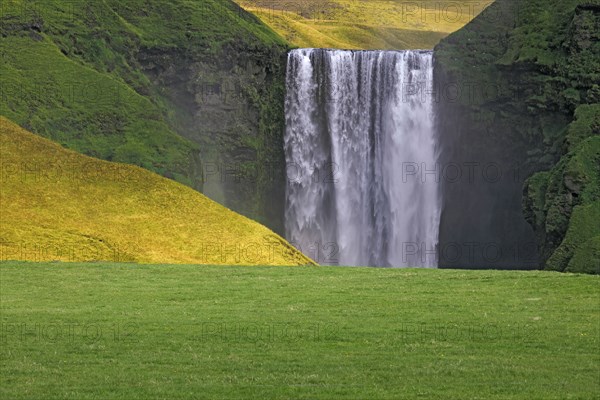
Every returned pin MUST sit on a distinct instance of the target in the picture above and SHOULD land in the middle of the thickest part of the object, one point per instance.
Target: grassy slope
(212, 332)
(56, 204)
(70, 72)
(376, 24)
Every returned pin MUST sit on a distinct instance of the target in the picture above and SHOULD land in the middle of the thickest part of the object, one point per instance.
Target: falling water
(361, 153)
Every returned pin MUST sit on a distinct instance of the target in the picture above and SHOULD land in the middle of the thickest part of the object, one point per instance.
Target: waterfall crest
(360, 147)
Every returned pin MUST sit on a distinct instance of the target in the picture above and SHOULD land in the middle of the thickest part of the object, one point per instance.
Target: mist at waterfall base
(359, 129)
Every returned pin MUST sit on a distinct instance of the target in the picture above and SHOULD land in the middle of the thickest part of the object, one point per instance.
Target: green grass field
(98, 331)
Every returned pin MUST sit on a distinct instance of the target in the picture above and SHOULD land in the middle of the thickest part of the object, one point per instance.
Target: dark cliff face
(518, 95)
(227, 96)
(231, 104)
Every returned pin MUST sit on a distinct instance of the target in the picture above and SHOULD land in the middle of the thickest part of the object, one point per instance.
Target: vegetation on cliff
(541, 61)
(130, 82)
(59, 205)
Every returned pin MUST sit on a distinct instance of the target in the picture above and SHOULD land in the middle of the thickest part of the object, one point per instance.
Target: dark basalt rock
(233, 107)
(546, 70)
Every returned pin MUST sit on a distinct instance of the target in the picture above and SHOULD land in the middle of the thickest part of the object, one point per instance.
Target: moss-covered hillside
(144, 82)
(56, 204)
(533, 71)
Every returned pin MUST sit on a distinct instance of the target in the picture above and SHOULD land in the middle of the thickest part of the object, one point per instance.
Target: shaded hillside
(56, 204)
(373, 24)
(180, 88)
(523, 78)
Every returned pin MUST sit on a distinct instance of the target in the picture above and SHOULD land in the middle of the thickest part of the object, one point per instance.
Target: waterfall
(360, 146)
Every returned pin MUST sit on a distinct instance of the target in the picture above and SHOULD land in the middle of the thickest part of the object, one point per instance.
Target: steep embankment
(373, 24)
(192, 90)
(519, 96)
(56, 204)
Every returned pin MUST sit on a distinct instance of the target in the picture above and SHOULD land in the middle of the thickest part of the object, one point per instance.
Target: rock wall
(231, 104)
(518, 95)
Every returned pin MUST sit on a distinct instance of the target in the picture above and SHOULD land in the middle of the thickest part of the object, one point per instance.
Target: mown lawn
(83, 331)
